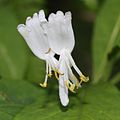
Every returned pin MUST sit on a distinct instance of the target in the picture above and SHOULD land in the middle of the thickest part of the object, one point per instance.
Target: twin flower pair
(47, 38)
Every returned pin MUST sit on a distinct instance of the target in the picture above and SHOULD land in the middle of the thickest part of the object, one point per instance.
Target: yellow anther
(59, 73)
(76, 81)
(56, 75)
(43, 85)
(77, 85)
(49, 75)
(48, 51)
(70, 86)
(83, 79)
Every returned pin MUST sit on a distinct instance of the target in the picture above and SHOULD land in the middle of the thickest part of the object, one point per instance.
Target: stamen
(49, 75)
(48, 51)
(49, 70)
(73, 78)
(83, 78)
(46, 76)
(57, 73)
(73, 63)
(76, 81)
(43, 85)
(70, 86)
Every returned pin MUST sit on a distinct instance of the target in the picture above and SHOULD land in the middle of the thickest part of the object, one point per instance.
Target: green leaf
(13, 56)
(106, 34)
(49, 110)
(20, 100)
(15, 95)
(19, 91)
(96, 103)
(101, 103)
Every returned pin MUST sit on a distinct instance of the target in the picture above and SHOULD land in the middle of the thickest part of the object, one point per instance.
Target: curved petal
(34, 46)
(42, 16)
(36, 38)
(63, 90)
(60, 32)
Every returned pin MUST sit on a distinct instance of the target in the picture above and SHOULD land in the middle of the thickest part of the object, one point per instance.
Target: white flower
(36, 38)
(47, 38)
(61, 40)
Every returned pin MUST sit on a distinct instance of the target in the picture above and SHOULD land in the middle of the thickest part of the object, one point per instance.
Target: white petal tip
(28, 21)
(63, 96)
(60, 12)
(20, 26)
(28, 18)
(51, 17)
(68, 15)
(22, 30)
(65, 102)
(42, 16)
(35, 14)
(41, 12)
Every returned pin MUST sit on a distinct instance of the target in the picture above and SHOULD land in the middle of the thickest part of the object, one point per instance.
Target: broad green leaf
(15, 95)
(13, 55)
(50, 109)
(20, 100)
(101, 103)
(19, 91)
(51, 112)
(96, 103)
(9, 110)
(106, 34)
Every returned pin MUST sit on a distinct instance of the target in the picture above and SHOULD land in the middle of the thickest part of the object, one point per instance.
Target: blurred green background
(96, 25)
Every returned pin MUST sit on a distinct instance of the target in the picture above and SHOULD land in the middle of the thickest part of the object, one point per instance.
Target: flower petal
(60, 32)
(42, 16)
(36, 38)
(32, 44)
(63, 90)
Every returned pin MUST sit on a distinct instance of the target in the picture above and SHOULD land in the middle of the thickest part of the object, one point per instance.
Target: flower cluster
(47, 38)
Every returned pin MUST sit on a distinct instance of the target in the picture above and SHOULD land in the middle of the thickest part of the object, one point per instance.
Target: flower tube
(62, 41)
(36, 38)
